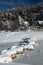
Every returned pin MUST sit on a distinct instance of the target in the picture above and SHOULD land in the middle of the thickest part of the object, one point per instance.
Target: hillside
(21, 18)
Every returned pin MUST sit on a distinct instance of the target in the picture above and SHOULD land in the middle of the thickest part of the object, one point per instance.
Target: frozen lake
(34, 57)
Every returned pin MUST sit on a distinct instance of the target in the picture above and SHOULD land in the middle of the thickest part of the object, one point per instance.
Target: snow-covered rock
(5, 59)
(32, 43)
(19, 49)
(28, 47)
(13, 47)
(11, 52)
(4, 51)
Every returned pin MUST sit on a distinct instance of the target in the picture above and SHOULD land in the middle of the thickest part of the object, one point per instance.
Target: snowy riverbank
(17, 36)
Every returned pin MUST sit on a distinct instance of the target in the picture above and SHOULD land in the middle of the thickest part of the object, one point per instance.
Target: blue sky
(4, 4)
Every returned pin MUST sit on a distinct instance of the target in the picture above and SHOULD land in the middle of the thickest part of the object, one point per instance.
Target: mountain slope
(29, 16)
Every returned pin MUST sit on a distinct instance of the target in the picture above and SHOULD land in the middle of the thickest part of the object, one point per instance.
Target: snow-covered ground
(17, 36)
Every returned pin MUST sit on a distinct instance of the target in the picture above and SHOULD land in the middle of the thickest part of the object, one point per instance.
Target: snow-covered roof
(40, 22)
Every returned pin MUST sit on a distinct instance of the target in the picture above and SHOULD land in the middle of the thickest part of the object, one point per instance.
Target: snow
(40, 22)
(11, 52)
(4, 51)
(18, 36)
(15, 37)
(5, 59)
(13, 47)
(19, 49)
(30, 46)
(32, 43)
(26, 46)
